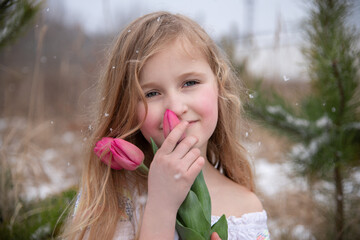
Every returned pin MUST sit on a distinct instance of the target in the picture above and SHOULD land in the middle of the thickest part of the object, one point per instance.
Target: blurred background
(299, 61)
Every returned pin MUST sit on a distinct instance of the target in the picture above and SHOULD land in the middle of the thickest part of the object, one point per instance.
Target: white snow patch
(300, 232)
(304, 153)
(58, 180)
(68, 137)
(289, 118)
(41, 232)
(354, 125)
(272, 178)
(324, 121)
(49, 154)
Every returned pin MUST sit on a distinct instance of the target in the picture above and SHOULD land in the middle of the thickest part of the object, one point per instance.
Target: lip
(192, 122)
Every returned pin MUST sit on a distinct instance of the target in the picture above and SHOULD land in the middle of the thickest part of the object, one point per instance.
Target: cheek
(150, 127)
(208, 106)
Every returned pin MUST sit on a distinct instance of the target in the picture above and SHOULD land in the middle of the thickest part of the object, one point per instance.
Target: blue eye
(190, 83)
(151, 94)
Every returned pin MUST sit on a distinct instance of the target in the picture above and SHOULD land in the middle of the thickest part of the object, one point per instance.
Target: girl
(164, 61)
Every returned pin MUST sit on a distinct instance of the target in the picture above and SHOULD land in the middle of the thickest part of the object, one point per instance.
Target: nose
(176, 103)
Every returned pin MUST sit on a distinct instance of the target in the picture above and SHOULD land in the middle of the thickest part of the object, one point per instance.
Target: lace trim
(247, 218)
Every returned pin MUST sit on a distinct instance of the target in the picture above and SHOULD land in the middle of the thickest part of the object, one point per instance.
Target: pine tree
(327, 122)
(14, 17)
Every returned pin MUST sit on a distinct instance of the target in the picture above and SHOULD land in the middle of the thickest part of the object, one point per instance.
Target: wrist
(158, 222)
(161, 209)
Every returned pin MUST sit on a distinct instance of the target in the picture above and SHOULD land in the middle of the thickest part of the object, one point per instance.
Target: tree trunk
(339, 198)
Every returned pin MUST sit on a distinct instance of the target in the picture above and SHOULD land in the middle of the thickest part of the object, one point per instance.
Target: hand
(174, 169)
(215, 236)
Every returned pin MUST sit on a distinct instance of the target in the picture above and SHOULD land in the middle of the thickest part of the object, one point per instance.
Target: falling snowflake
(286, 78)
(106, 114)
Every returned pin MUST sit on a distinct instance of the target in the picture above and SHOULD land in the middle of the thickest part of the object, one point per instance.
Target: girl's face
(184, 83)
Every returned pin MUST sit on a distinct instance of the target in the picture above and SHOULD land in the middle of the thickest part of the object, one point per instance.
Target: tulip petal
(102, 150)
(126, 154)
(102, 145)
(170, 121)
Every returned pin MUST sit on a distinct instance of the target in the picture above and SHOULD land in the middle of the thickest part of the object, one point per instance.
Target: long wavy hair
(102, 189)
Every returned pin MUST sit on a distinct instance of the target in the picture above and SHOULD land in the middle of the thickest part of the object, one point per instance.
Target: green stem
(143, 168)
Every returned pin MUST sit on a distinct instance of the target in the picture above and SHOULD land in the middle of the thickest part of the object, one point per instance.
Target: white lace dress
(250, 226)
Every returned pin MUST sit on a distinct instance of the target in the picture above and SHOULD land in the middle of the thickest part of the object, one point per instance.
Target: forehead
(189, 48)
(178, 49)
(174, 59)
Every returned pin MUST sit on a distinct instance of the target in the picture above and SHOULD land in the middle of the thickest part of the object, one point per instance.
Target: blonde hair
(100, 207)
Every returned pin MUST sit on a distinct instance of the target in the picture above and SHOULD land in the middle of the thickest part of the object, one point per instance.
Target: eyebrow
(181, 76)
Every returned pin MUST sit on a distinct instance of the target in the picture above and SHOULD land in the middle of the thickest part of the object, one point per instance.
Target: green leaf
(221, 228)
(186, 233)
(191, 215)
(153, 145)
(200, 189)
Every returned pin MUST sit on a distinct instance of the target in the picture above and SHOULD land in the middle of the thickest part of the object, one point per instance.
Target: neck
(208, 169)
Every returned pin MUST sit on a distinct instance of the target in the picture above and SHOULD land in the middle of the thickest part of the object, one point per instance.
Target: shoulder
(234, 200)
(244, 200)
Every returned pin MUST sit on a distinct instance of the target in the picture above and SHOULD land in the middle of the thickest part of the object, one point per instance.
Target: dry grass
(34, 159)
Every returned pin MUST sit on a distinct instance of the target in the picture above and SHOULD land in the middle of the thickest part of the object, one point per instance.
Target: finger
(195, 168)
(215, 236)
(173, 138)
(185, 146)
(190, 157)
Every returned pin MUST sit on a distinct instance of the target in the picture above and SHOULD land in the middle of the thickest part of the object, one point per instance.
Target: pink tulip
(124, 155)
(102, 150)
(169, 122)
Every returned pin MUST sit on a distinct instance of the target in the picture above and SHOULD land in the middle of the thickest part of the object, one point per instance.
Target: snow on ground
(59, 176)
(41, 160)
(272, 178)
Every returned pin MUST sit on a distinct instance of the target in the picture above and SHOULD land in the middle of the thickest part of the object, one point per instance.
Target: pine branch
(14, 17)
(275, 117)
